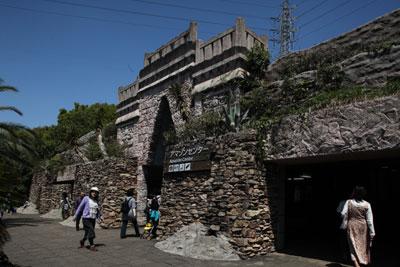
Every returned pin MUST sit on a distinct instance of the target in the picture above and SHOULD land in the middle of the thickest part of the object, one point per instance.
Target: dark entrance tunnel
(153, 171)
(313, 191)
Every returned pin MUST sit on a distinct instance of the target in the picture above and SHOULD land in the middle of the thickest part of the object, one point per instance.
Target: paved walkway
(43, 242)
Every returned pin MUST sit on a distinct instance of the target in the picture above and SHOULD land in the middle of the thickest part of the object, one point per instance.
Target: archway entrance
(313, 190)
(153, 172)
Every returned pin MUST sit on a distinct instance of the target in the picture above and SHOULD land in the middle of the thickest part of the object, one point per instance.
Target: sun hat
(94, 188)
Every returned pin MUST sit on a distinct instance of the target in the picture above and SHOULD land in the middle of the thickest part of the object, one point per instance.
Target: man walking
(128, 210)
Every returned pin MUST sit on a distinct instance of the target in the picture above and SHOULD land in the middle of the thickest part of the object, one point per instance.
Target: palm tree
(5, 88)
(15, 139)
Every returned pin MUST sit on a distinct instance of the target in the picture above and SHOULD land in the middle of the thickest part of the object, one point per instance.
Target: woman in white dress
(360, 227)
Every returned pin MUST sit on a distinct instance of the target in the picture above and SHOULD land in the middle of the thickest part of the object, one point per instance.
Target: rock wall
(39, 180)
(51, 196)
(112, 176)
(45, 193)
(357, 127)
(374, 37)
(231, 198)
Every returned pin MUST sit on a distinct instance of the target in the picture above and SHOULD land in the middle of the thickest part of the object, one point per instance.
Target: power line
(87, 17)
(325, 13)
(131, 12)
(140, 13)
(247, 3)
(337, 19)
(311, 9)
(198, 9)
(302, 2)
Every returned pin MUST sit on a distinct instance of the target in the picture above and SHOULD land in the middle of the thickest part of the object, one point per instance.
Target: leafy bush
(56, 164)
(329, 76)
(304, 61)
(114, 149)
(234, 119)
(207, 124)
(268, 111)
(257, 61)
(109, 131)
(177, 92)
(93, 152)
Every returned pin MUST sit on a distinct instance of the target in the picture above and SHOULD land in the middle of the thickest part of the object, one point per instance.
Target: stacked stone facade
(112, 176)
(230, 199)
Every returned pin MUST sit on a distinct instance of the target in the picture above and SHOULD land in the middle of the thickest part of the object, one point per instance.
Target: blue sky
(57, 60)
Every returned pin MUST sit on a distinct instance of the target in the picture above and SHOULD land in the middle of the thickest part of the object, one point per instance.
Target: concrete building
(185, 60)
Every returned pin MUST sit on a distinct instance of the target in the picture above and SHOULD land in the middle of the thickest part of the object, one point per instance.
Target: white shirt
(93, 208)
(369, 219)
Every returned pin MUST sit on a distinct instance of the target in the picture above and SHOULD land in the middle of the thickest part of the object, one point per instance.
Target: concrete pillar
(146, 59)
(193, 31)
(217, 49)
(208, 52)
(141, 196)
(264, 39)
(226, 42)
(240, 33)
(199, 53)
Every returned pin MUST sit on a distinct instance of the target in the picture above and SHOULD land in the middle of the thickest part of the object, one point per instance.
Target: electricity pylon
(284, 30)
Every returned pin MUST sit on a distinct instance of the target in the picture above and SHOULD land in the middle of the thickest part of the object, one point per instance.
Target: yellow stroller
(147, 231)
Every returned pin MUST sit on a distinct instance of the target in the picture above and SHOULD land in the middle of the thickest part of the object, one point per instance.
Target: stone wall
(38, 181)
(372, 125)
(112, 176)
(375, 35)
(51, 196)
(231, 198)
(45, 193)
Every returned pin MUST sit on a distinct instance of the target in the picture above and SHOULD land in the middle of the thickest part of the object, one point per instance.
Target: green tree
(257, 61)
(15, 139)
(81, 120)
(17, 157)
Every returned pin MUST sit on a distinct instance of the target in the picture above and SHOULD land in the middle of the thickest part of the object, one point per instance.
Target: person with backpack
(155, 214)
(128, 211)
(89, 208)
(65, 206)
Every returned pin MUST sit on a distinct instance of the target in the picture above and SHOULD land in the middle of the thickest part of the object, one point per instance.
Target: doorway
(153, 172)
(313, 191)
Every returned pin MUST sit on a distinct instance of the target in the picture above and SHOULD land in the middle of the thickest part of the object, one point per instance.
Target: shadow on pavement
(383, 254)
(20, 220)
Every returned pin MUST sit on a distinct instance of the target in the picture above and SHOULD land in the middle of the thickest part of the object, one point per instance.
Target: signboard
(187, 159)
(66, 175)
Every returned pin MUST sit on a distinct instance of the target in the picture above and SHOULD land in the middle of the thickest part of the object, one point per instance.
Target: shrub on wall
(182, 100)
(310, 60)
(55, 164)
(208, 124)
(114, 149)
(93, 151)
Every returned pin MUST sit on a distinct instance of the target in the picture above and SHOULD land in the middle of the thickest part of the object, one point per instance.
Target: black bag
(125, 206)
